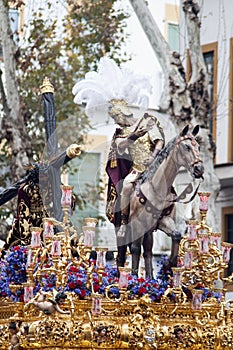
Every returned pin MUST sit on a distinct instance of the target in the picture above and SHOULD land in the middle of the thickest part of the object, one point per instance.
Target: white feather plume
(112, 82)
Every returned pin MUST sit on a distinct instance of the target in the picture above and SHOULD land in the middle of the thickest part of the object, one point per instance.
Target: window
(227, 229)
(210, 52)
(173, 36)
(210, 58)
(14, 23)
(230, 113)
(86, 181)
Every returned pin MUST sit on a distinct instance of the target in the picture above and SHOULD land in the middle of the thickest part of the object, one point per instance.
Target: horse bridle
(190, 137)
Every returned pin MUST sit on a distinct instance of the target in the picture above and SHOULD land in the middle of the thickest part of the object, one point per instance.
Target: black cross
(55, 161)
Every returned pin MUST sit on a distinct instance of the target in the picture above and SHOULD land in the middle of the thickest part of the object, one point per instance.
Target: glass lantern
(192, 229)
(204, 199)
(177, 276)
(101, 254)
(66, 198)
(124, 275)
(226, 250)
(203, 243)
(48, 229)
(56, 248)
(188, 257)
(197, 299)
(96, 304)
(29, 259)
(35, 237)
(28, 293)
(89, 235)
(215, 239)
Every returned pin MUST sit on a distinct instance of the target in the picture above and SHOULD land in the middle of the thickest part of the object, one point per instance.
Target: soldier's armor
(144, 146)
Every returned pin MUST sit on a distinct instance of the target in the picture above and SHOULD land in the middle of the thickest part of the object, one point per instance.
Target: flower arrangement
(14, 273)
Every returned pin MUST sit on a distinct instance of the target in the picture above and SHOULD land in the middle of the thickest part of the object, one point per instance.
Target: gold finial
(46, 86)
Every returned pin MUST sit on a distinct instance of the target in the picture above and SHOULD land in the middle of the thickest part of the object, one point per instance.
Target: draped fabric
(117, 168)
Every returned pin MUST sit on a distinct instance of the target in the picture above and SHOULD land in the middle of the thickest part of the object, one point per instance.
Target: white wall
(217, 25)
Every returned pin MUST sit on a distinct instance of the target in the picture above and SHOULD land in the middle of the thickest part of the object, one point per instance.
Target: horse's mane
(148, 173)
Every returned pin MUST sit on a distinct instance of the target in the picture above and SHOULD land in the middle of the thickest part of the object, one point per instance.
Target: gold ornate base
(136, 324)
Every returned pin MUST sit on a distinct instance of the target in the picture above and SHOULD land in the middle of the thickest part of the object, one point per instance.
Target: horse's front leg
(121, 250)
(147, 254)
(135, 253)
(167, 225)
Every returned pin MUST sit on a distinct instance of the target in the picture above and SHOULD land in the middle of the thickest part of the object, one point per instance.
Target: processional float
(54, 295)
(185, 308)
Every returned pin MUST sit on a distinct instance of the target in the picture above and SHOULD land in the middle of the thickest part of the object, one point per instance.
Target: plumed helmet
(112, 86)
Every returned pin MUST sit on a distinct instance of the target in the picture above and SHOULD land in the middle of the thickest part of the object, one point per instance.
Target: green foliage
(65, 53)
(63, 50)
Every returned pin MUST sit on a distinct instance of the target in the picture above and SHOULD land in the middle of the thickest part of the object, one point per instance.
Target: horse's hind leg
(121, 255)
(167, 225)
(147, 254)
(136, 253)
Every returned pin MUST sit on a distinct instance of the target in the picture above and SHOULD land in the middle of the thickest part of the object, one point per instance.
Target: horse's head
(189, 155)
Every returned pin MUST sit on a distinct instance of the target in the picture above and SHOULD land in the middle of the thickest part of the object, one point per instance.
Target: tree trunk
(187, 103)
(13, 126)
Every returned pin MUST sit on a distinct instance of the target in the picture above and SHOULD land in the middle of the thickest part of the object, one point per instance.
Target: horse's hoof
(134, 272)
